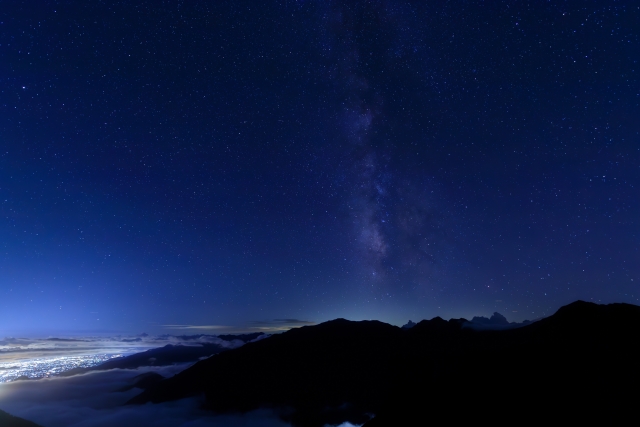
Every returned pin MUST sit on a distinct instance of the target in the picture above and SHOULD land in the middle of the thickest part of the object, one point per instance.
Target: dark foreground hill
(577, 364)
(9, 420)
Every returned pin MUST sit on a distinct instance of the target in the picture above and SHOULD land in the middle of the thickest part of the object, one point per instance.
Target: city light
(48, 367)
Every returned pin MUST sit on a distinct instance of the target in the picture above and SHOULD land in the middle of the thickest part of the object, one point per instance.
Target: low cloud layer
(197, 327)
(37, 358)
(278, 325)
(12, 349)
(19, 348)
(92, 400)
(266, 326)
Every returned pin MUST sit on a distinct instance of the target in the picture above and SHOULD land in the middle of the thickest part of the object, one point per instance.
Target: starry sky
(238, 165)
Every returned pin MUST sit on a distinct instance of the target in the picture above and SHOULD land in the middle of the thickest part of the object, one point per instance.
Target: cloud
(47, 357)
(260, 337)
(278, 325)
(22, 348)
(197, 327)
(196, 340)
(285, 321)
(274, 325)
(87, 345)
(91, 400)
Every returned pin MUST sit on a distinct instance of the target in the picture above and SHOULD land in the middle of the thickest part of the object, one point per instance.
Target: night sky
(252, 164)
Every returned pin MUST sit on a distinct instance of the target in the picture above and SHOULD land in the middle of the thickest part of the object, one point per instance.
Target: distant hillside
(242, 337)
(168, 355)
(574, 365)
(162, 356)
(7, 420)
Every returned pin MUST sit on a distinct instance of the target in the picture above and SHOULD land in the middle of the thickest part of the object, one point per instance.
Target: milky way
(222, 164)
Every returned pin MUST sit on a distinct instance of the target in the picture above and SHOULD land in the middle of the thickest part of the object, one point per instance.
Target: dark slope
(242, 337)
(333, 356)
(228, 337)
(575, 366)
(585, 353)
(144, 381)
(7, 420)
(168, 355)
(162, 356)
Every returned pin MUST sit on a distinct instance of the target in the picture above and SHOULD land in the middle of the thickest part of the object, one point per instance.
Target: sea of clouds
(95, 399)
(45, 357)
(14, 349)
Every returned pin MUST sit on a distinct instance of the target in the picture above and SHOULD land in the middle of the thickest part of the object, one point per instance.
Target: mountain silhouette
(11, 421)
(496, 319)
(410, 324)
(574, 365)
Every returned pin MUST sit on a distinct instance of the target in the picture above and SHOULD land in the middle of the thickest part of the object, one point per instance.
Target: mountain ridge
(317, 369)
(9, 420)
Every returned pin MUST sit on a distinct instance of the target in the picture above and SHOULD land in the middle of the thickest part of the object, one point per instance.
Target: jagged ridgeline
(579, 362)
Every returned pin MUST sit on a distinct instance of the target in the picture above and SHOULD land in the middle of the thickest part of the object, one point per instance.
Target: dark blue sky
(234, 162)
